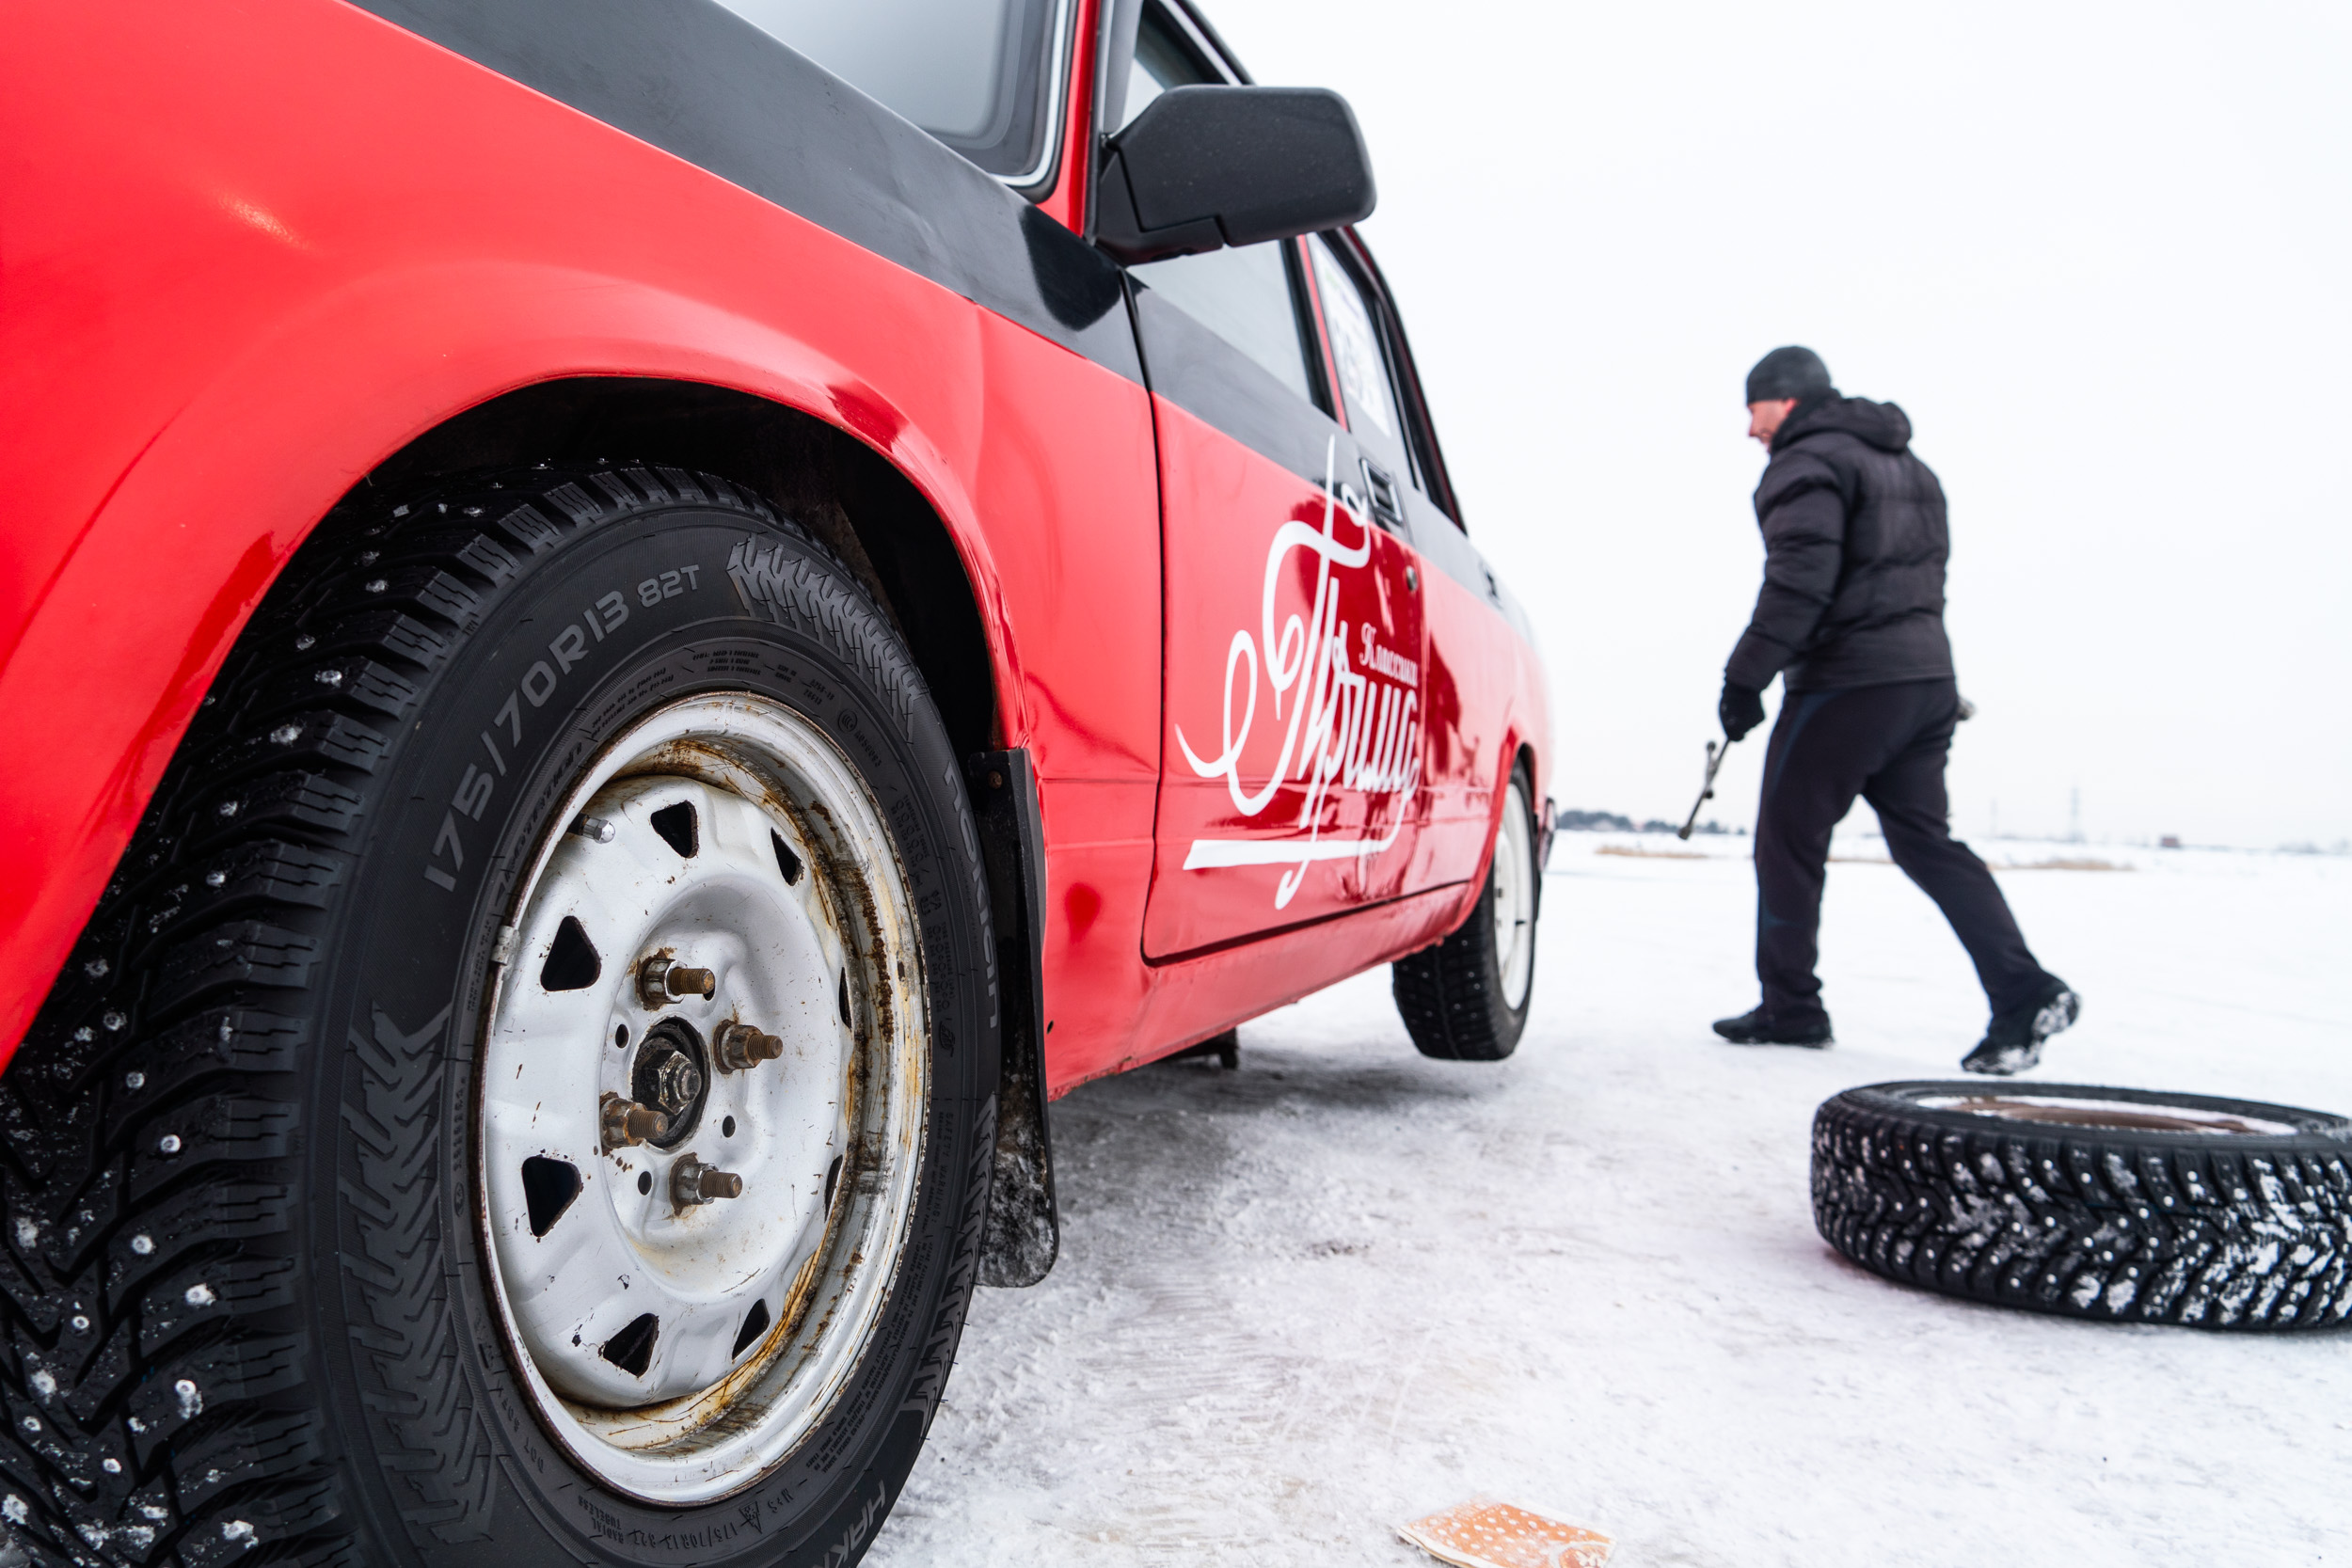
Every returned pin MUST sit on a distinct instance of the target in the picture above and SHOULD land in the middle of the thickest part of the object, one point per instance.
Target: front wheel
(1466, 999)
(528, 1099)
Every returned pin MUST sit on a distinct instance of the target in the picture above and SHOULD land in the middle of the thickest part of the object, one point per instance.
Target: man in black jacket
(1851, 617)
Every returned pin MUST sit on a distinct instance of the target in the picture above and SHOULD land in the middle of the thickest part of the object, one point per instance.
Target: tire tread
(2087, 1224)
(1450, 994)
(190, 975)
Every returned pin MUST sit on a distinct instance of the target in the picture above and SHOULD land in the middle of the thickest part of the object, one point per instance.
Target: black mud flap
(1023, 1225)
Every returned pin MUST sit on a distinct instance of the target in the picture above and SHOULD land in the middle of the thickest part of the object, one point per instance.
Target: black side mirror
(1205, 168)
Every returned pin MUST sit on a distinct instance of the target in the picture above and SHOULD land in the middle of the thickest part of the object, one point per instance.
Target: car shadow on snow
(1284, 1081)
(1177, 1128)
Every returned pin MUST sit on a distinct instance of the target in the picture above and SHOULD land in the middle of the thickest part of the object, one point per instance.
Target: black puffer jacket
(1855, 543)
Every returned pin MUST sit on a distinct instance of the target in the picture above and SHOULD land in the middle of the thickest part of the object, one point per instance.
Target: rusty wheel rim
(700, 1102)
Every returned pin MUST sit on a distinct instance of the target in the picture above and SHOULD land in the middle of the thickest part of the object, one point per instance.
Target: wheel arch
(1517, 750)
(1517, 753)
(429, 370)
(857, 504)
(1524, 758)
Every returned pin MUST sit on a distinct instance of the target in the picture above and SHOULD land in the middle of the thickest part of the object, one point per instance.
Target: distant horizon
(1851, 828)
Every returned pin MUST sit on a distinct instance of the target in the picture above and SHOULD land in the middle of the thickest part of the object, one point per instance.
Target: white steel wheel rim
(716, 1399)
(1515, 900)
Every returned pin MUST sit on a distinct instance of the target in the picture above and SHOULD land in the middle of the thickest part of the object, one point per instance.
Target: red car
(631, 628)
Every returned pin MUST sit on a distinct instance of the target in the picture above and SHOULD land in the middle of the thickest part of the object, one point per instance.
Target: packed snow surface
(1343, 1286)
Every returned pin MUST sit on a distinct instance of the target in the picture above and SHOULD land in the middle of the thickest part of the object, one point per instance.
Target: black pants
(1886, 744)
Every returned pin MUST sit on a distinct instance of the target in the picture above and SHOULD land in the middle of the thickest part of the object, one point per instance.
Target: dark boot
(2013, 1041)
(1758, 1028)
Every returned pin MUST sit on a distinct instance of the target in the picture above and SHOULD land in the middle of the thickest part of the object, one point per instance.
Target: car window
(977, 74)
(1163, 60)
(1367, 391)
(1245, 296)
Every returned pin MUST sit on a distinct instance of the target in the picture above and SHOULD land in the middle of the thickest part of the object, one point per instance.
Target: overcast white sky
(2101, 254)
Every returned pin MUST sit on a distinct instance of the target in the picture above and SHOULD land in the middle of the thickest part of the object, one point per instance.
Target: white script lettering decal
(1346, 727)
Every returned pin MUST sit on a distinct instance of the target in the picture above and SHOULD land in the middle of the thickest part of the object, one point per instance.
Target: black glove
(1740, 708)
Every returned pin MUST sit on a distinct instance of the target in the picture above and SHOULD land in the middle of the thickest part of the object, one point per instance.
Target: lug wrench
(1706, 787)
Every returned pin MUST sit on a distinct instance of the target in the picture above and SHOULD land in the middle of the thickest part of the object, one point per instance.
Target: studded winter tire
(2115, 1204)
(526, 1098)
(1466, 999)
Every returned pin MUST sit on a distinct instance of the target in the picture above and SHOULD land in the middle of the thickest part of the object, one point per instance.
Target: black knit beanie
(1788, 372)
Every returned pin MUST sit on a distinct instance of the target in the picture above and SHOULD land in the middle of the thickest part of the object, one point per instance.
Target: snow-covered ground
(1344, 1285)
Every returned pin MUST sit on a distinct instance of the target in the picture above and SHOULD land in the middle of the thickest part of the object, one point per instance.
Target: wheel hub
(670, 1076)
(713, 1002)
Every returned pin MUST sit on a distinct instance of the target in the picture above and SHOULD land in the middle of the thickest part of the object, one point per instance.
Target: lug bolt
(627, 1123)
(739, 1047)
(660, 982)
(692, 1182)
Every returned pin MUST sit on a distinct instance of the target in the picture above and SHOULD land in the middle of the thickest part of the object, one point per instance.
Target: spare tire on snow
(2118, 1204)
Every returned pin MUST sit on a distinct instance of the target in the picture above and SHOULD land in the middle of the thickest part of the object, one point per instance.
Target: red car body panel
(1484, 708)
(1281, 742)
(246, 255)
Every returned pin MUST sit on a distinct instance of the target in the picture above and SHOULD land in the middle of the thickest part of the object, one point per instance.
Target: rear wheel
(527, 1099)
(1466, 999)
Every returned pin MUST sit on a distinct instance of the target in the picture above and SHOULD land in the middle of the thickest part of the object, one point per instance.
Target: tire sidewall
(2097, 1224)
(442, 1430)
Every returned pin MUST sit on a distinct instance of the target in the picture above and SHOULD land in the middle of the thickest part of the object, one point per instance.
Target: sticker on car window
(1363, 373)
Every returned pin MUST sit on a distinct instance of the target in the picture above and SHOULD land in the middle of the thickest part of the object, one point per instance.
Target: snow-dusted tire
(2121, 1205)
(508, 786)
(1466, 998)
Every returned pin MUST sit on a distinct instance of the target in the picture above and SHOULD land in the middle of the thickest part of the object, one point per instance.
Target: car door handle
(1388, 502)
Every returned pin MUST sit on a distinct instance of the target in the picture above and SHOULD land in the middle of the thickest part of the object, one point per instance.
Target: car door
(1465, 640)
(1397, 461)
(1290, 749)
